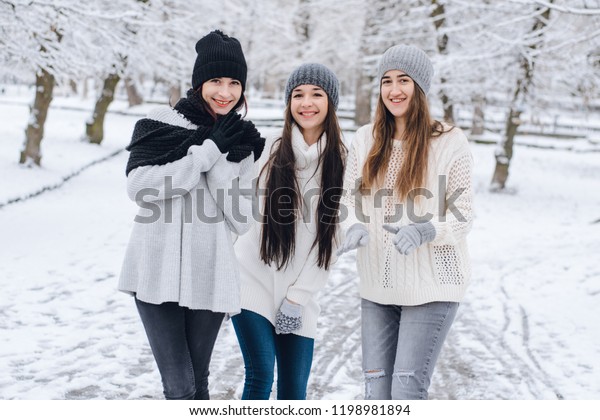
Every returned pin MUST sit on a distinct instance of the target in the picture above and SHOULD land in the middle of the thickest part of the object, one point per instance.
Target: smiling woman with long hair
(285, 259)
(179, 266)
(409, 217)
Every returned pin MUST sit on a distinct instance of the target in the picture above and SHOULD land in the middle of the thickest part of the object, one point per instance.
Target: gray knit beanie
(314, 74)
(410, 59)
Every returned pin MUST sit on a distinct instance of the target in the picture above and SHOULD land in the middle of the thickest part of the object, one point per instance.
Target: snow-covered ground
(526, 330)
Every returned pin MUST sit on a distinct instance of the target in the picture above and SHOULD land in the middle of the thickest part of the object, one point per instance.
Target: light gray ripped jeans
(400, 346)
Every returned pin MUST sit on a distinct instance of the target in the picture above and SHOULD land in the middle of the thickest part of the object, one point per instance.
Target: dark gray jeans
(400, 347)
(182, 341)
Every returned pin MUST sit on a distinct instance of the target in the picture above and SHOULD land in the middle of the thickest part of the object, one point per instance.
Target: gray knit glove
(288, 318)
(357, 235)
(408, 238)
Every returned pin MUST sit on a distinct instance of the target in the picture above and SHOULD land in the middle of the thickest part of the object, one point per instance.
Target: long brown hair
(283, 199)
(419, 131)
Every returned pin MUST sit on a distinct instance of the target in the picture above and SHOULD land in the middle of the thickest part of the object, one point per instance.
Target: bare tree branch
(563, 9)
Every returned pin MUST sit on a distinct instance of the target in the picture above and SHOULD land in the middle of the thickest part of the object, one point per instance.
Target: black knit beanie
(219, 55)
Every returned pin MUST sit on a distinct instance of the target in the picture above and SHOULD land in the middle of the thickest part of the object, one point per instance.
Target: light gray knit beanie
(314, 74)
(410, 59)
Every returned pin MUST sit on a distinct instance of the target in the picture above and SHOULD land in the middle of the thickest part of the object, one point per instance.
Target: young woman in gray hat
(285, 259)
(412, 175)
(180, 265)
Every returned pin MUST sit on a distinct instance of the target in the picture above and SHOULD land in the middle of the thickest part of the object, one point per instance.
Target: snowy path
(526, 330)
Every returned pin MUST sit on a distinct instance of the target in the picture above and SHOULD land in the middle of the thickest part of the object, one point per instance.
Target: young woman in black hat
(188, 168)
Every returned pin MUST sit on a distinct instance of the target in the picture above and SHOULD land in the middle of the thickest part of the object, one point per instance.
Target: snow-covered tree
(483, 50)
(267, 33)
(160, 47)
(279, 35)
(388, 23)
(335, 35)
(56, 42)
(544, 55)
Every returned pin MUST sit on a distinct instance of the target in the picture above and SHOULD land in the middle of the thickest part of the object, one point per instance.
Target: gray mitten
(288, 318)
(408, 238)
(357, 235)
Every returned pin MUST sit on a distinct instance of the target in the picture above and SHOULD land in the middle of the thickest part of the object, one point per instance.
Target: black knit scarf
(157, 143)
(192, 108)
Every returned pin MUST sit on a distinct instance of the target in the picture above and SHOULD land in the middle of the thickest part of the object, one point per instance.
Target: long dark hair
(283, 201)
(419, 131)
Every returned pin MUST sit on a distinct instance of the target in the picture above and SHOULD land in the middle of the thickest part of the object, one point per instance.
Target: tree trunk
(302, 24)
(174, 94)
(362, 103)
(478, 123)
(94, 129)
(377, 36)
(447, 105)
(85, 90)
(504, 151)
(44, 85)
(438, 14)
(133, 95)
(73, 86)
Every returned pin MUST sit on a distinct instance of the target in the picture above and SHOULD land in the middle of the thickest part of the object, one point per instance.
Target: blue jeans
(261, 346)
(182, 341)
(400, 347)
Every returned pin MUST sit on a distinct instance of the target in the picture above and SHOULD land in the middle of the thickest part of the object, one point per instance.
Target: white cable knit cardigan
(263, 287)
(437, 271)
(181, 257)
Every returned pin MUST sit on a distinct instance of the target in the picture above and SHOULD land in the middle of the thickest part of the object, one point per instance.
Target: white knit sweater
(182, 257)
(437, 271)
(263, 287)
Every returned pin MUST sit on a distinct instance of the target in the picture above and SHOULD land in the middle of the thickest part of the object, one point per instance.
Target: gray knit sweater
(186, 255)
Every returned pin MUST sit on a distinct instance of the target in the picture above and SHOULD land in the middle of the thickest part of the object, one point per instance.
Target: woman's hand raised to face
(227, 131)
(251, 142)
